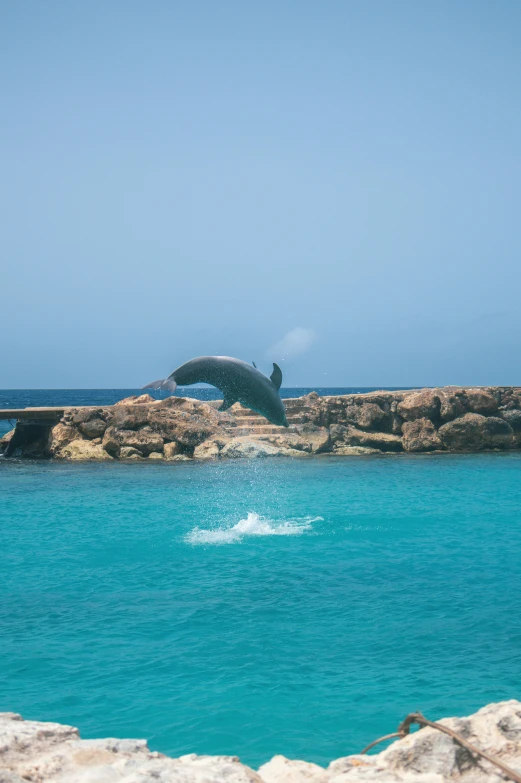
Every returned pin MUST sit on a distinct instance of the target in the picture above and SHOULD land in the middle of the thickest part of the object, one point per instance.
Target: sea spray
(252, 525)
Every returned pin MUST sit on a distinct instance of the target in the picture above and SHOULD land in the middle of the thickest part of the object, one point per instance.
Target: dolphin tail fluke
(166, 383)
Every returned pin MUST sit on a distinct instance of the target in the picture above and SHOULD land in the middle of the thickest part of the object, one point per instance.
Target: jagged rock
(481, 401)
(155, 455)
(189, 422)
(91, 422)
(337, 424)
(83, 450)
(498, 434)
(60, 436)
(144, 440)
(384, 441)
(127, 452)
(367, 415)
(243, 447)
(171, 449)
(209, 449)
(452, 405)
(354, 451)
(283, 770)
(464, 434)
(420, 435)
(420, 405)
(513, 417)
(5, 439)
(142, 399)
(52, 753)
(130, 417)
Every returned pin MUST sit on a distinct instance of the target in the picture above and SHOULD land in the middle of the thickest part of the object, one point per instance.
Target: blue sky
(335, 185)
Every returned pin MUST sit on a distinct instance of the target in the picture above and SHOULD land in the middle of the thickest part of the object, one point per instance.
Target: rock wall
(43, 752)
(177, 428)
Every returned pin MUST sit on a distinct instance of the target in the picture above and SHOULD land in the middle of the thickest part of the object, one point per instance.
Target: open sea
(253, 608)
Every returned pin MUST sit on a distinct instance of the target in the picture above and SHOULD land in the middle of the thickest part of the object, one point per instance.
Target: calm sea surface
(279, 606)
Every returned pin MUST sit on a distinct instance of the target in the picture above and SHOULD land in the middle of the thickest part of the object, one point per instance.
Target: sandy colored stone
(384, 441)
(60, 436)
(171, 449)
(84, 450)
(141, 399)
(127, 452)
(354, 451)
(248, 448)
(52, 753)
(208, 449)
(283, 770)
(155, 455)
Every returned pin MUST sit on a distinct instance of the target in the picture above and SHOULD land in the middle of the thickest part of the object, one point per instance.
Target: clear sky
(332, 184)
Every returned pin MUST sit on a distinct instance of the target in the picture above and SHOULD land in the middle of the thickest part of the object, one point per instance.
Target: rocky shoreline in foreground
(449, 419)
(45, 752)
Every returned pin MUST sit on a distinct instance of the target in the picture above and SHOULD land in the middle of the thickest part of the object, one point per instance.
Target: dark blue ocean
(278, 606)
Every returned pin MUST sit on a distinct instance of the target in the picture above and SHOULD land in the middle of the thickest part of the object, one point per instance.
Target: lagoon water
(253, 608)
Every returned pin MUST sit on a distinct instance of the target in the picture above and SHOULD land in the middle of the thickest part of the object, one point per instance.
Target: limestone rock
(141, 399)
(498, 433)
(127, 452)
(452, 404)
(464, 434)
(384, 441)
(60, 436)
(52, 753)
(513, 417)
(208, 449)
(155, 455)
(91, 422)
(5, 439)
(424, 404)
(354, 451)
(171, 450)
(83, 450)
(496, 729)
(481, 401)
(144, 440)
(283, 770)
(130, 417)
(244, 447)
(420, 435)
(316, 437)
(367, 415)
(189, 422)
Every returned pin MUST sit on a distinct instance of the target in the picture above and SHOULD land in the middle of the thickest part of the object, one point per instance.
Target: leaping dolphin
(238, 381)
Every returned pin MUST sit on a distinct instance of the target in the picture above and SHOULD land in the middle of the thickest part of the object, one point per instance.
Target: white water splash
(253, 525)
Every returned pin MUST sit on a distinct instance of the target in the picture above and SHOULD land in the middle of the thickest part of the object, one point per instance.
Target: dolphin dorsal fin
(276, 376)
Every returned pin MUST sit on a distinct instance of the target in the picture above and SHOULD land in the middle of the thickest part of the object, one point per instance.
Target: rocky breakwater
(177, 429)
(39, 752)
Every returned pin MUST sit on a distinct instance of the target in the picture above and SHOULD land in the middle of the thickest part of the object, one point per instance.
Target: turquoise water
(296, 607)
